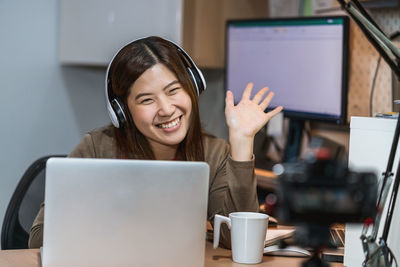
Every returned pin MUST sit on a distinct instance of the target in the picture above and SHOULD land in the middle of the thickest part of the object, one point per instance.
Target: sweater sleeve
(233, 187)
(85, 149)
(36, 232)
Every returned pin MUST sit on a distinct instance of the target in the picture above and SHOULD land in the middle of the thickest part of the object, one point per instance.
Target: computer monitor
(304, 61)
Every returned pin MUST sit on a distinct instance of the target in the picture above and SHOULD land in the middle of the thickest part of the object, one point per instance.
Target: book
(275, 234)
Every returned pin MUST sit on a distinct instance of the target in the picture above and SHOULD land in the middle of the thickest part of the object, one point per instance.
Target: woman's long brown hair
(128, 65)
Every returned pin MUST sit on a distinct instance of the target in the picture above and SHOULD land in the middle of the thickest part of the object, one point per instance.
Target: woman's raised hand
(245, 119)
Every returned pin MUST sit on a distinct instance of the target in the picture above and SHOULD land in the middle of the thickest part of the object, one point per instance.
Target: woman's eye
(173, 90)
(146, 101)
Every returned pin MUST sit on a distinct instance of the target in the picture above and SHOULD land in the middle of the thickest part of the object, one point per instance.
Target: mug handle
(218, 219)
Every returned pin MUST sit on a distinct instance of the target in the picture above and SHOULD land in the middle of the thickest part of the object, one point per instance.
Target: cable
(371, 95)
(391, 37)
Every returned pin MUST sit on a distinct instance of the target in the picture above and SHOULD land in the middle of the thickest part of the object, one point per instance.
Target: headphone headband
(115, 107)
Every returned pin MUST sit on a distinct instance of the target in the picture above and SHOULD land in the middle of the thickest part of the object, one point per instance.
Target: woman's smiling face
(160, 107)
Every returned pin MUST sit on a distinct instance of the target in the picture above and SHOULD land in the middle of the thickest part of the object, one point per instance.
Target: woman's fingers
(273, 112)
(247, 91)
(257, 98)
(264, 104)
(229, 101)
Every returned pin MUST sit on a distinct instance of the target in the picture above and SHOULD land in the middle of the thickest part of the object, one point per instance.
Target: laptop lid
(107, 212)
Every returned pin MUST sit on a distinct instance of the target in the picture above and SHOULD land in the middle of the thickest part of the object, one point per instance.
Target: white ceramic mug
(248, 230)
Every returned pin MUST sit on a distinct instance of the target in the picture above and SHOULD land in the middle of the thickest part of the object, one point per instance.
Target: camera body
(323, 192)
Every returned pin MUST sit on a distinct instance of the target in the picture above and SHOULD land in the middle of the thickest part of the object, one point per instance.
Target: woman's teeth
(170, 124)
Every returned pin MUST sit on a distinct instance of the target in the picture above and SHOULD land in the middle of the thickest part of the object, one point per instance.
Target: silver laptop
(104, 212)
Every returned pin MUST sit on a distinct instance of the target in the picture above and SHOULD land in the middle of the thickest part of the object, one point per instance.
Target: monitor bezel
(342, 119)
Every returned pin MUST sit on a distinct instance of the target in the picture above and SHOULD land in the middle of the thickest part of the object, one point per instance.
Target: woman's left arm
(245, 119)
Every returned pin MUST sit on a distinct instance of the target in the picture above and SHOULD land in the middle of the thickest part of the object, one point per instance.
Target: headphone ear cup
(194, 80)
(117, 114)
(202, 81)
(198, 79)
(112, 116)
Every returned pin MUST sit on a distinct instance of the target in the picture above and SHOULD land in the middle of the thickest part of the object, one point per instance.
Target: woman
(152, 89)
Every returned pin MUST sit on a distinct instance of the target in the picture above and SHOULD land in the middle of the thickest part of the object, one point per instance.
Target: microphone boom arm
(379, 254)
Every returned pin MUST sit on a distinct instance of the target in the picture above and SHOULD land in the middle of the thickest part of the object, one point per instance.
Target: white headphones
(114, 106)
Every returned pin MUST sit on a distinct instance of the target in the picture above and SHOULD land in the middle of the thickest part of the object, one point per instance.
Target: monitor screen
(302, 60)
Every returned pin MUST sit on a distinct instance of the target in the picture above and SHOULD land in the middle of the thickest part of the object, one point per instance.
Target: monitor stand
(293, 142)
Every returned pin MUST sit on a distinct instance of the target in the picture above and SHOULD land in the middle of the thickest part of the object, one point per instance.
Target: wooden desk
(214, 258)
(20, 258)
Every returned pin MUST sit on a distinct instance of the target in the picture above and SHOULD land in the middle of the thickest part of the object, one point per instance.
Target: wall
(47, 108)
(363, 64)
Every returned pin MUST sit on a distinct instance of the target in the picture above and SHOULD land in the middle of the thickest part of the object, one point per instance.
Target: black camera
(319, 192)
(324, 191)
